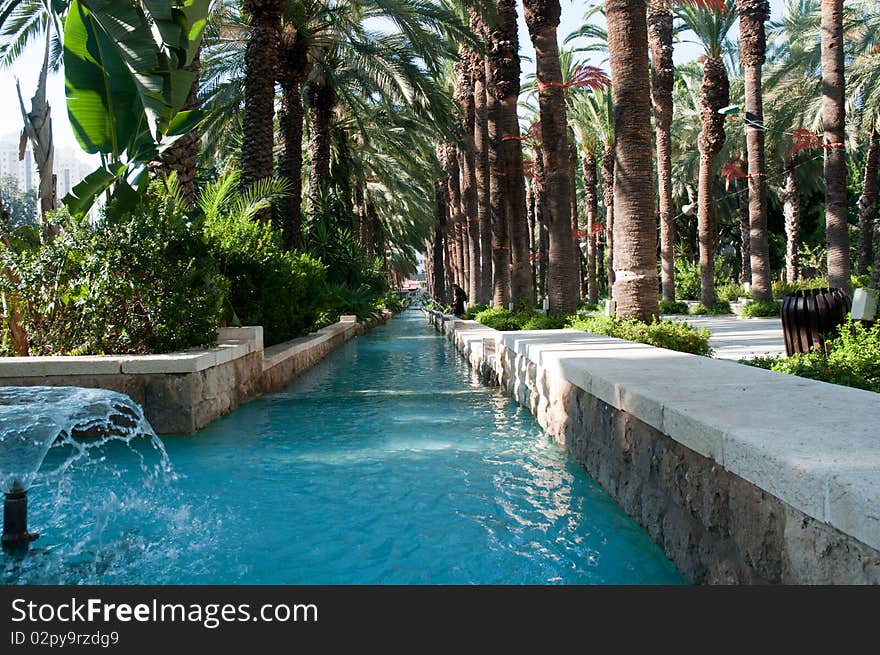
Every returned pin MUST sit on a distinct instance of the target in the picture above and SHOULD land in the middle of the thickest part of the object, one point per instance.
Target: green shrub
(390, 302)
(719, 308)
(673, 307)
(674, 335)
(140, 282)
(545, 322)
(761, 308)
(687, 279)
(499, 318)
(730, 292)
(285, 292)
(585, 306)
(781, 288)
(472, 311)
(853, 359)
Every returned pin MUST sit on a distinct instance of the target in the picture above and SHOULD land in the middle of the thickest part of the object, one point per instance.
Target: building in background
(71, 166)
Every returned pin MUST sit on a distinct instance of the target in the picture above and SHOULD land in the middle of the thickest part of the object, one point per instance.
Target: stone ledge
(813, 445)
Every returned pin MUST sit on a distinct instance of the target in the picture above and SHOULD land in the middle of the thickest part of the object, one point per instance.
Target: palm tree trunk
(590, 184)
(438, 259)
(572, 175)
(868, 204)
(503, 87)
(753, 46)
(533, 245)
(543, 237)
(38, 129)
(497, 202)
(322, 99)
(608, 201)
(714, 94)
(662, 79)
(183, 155)
(294, 71)
(261, 64)
(834, 122)
(744, 233)
(791, 210)
(467, 163)
(481, 163)
(542, 19)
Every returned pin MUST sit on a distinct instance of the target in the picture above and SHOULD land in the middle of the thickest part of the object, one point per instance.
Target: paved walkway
(735, 338)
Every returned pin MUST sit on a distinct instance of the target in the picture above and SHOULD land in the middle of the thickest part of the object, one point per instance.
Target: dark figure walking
(458, 303)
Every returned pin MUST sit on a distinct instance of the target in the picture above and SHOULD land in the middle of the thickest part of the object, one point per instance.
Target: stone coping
(274, 355)
(813, 445)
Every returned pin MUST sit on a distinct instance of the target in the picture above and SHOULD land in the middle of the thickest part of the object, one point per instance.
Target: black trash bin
(811, 315)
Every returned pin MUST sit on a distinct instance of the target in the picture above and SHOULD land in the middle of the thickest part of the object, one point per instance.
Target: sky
(27, 68)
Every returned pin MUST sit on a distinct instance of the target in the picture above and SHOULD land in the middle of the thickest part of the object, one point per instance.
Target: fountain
(34, 419)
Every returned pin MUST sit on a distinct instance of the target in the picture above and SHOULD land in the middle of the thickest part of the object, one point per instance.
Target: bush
(762, 308)
(781, 288)
(585, 306)
(390, 302)
(853, 359)
(730, 292)
(719, 308)
(472, 311)
(674, 335)
(140, 282)
(499, 318)
(545, 322)
(673, 307)
(687, 279)
(284, 292)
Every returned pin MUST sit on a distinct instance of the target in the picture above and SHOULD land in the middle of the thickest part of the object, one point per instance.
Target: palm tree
(662, 80)
(834, 122)
(753, 46)
(464, 95)
(710, 23)
(261, 64)
(508, 198)
(635, 230)
(542, 19)
(481, 164)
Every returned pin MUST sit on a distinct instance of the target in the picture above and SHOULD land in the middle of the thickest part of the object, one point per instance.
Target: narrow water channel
(387, 463)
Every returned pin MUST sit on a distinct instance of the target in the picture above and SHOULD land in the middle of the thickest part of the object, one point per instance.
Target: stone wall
(183, 392)
(716, 526)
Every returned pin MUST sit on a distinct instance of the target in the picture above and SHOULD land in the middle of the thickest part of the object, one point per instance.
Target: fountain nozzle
(16, 537)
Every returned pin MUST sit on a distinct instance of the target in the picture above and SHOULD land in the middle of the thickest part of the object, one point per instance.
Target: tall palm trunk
(261, 64)
(543, 235)
(868, 203)
(497, 195)
(468, 164)
(714, 94)
(322, 99)
(791, 210)
(294, 71)
(590, 183)
(608, 201)
(438, 259)
(572, 173)
(183, 155)
(503, 87)
(533, 243)
(834, 122)
(742, 199)
(753, 47)
(38, 129)
(481, 163)
(542, 18)
(635, 228)
(662, 79)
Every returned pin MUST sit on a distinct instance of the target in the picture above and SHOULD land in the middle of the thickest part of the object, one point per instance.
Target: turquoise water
(387, 463)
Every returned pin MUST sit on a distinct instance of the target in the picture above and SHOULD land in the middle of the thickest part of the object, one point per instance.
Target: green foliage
(390, 302)
(687, 279)
(142, 284)
(471, 312)
(499, 318)
(674, 335)
(21, 205)
(545, 322)
(853, 359)
(282, 291)
(586, 306)
(762, 308)
(673, 307)
(781, 288)
(719, 308)
(730, 292)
